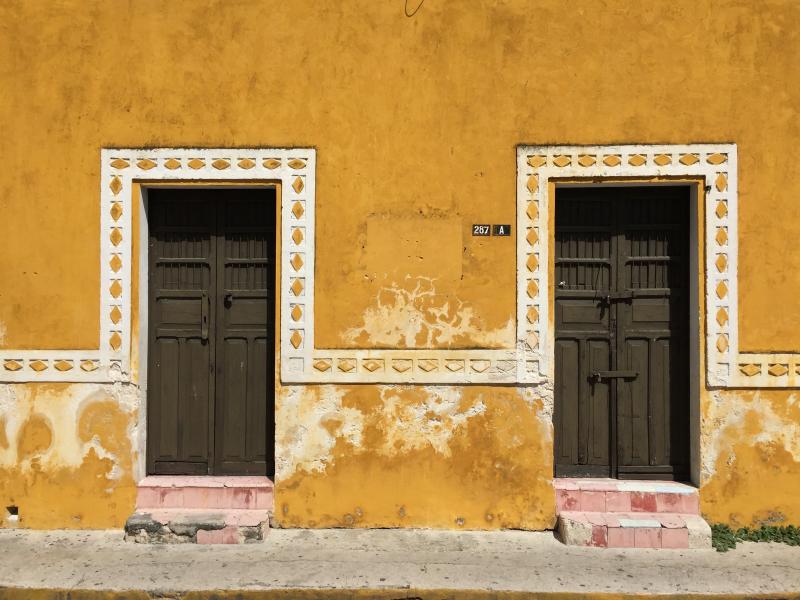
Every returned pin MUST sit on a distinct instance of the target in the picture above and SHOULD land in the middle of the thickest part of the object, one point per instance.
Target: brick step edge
(627, 501)
(261, 498)
(158, 526)
(639, 530)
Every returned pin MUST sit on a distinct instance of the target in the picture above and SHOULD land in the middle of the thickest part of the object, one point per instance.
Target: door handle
(227, 299)
(598, 375)
(610, 297)
(205, 306)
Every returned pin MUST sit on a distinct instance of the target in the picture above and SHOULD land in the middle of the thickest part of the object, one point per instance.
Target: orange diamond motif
(533, 210)
(533, 288)
(297, 287)
(115, 341)
(115, 289)
(322, 365)
(297, 261)
(722, 290)
(722, 343)
(778, 370)
(63, 365)
(533, 262)
(246, 163)
(296, 339)
(271, 163)
(722, 236)
(722, 263)
(637, 160)
(533, 236)
(402, 365)
(721, 183)
(116, 211)
(12, 365)
(612, 160)
(221, 164)
(533, 340)
(172, 164)
(89, 365)
(533, 314)
(722, 317)
(662, 160)
(298, 210)
(38, 365)
(116, 315)
(537, 161)
(296, 163)
(562, 160)
(115, 185)
(750, 369)
(722, 209)
(716, 159)
(689, 159)
(146, 164)
(373, 365)
(533, 183)
(479, 366)
(586, 160)
(298, 185)
(196, 163)
(346, 364)
(297, 236)
(120, 163)
(297, 312)
(428, 364)
(116, 236)
(115, 263)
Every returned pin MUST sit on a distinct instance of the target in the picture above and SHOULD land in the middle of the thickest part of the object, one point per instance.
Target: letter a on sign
(501, 230)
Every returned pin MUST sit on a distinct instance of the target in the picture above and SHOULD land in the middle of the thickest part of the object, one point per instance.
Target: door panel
(211, 358)
(180, 393)
(621, 301)
(245, 377)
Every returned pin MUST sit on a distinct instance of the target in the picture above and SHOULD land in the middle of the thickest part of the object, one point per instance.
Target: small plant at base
(723, 538)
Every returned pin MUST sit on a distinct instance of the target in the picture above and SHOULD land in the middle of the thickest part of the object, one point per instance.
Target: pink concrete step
(633, 530)
(167, 492)
(615, 496)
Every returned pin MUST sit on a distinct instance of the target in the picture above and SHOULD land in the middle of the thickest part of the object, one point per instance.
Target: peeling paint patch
(751, 458)
(68, 453)
(477, 458)
(414, 315)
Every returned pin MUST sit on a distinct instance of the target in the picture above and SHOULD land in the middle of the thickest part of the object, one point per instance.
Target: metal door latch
(597, 376)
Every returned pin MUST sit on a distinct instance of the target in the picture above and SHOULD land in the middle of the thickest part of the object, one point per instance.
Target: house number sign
(485, 230)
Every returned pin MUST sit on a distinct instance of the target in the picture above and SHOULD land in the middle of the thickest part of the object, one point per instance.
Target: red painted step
(193, 492)
(613, 495)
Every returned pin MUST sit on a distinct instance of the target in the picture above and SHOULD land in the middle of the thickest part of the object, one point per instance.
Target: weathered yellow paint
(67, 457)
(415, 121)
(443, 98)
(370, 456)
(752, 443)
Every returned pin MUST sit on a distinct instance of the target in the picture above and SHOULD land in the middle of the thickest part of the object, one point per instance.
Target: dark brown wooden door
(621, 345)
(211, 342)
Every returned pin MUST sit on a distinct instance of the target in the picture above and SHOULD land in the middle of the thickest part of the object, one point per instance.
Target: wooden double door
(211, 331)
(621, 332)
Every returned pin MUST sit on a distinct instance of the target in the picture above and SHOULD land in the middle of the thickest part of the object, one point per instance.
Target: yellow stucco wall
(415, 121)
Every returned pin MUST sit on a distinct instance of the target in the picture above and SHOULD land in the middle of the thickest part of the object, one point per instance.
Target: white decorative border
(537, 166)
(302, 362)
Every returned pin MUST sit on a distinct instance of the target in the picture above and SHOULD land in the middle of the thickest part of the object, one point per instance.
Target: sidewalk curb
(9, 593)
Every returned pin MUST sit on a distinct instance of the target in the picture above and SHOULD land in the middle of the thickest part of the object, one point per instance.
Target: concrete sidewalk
(381, 564)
